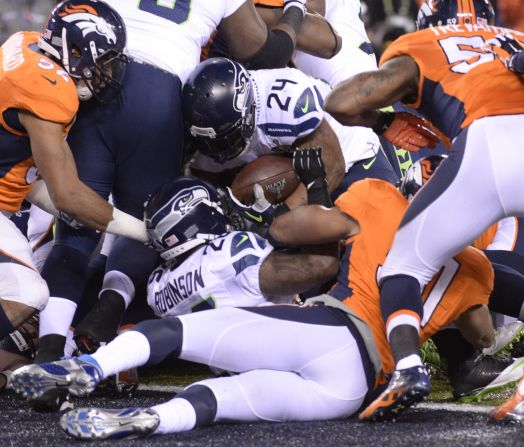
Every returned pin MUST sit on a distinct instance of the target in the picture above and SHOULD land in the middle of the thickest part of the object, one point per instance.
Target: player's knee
(34, 292)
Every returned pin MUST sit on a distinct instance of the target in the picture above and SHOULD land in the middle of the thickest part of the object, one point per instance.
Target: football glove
(310, 169)
(515, 60)
(255, 218)
(407, 131)
(309, 166)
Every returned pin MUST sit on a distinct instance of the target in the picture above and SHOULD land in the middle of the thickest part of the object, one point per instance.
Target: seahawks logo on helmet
(242, 88)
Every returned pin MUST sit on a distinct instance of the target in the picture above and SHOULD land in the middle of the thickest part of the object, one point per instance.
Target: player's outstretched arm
(57, 167)
(354, 102)
(251, 42)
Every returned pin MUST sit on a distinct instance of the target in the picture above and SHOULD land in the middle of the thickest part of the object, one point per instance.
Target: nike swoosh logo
(52, 81)
(366, 166)
(306, 107)
(242, 240)
(258, 218)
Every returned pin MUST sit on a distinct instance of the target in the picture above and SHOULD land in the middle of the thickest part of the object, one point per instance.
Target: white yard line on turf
(161, 388)
(450, 406)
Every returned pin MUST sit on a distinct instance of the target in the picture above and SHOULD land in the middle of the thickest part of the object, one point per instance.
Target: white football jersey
(355, 56)
(289, 106)
(169, 34)
(223, 273)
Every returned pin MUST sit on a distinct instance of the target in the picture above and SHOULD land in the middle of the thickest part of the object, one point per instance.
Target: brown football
(273, 172)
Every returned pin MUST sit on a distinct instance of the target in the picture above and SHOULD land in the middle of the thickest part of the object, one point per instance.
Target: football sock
(175, 416)
(194, 407)
(409, 362)
(119, 283)
(404, 342)
(6, 327)
(401, 307)
(57, 316)
(128, 350)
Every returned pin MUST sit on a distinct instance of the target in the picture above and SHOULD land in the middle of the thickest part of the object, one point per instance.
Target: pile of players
(406, 272)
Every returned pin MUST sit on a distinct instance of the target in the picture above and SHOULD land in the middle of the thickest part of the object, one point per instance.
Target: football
(273, 172)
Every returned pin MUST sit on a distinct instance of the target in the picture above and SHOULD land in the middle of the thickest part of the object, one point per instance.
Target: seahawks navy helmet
(88, 38)
(418, 174)
(455, 12)
(219, 108)
(183, 214)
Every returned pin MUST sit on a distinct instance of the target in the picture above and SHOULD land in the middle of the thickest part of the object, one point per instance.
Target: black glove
(255, 218)
(310, 169)
(515, 61)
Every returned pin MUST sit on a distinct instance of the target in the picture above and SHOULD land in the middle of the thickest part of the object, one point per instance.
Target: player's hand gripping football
(256, 217)
(410, 132)
(309, 166)
(515, 60)
(310, 169)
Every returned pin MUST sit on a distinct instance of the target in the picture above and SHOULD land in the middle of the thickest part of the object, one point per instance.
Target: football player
(433, 70)
(132, 143)
(235, 115)
(40, 90)
(334, 353)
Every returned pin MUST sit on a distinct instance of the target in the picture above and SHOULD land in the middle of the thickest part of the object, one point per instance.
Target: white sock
(128, 350)
(175, 416)
(409, 361)
(57, 316)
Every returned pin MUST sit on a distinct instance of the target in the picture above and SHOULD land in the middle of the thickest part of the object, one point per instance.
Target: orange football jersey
(31, 82)
(464, 281)
(461, 76)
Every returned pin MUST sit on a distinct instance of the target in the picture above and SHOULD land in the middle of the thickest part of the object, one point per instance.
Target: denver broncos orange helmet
(455, 12)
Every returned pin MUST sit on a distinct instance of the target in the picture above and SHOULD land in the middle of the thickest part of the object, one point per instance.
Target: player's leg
(295, 364)
(22, 290)
(147, 140)
(462, 199)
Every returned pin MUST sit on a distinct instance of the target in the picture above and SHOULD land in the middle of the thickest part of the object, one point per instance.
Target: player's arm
(285, 272)
(57, 168)
(312, 224)
(355, 102)
(251, 42)
(476, 326)
(325, 137)
(316, 35)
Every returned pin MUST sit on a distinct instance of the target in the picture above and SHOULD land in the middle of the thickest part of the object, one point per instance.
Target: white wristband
(124, 224)
(300, 4)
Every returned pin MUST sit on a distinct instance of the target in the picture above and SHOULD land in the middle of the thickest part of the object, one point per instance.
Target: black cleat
(475, 378)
